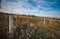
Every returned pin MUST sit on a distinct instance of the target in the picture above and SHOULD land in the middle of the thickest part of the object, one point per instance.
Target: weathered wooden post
(44, 21)
(11, 34)
(10, 23)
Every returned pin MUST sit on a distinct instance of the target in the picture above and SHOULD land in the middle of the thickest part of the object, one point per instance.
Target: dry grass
(27, 27)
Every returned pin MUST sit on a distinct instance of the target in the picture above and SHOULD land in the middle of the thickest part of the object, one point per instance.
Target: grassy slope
(31, 27)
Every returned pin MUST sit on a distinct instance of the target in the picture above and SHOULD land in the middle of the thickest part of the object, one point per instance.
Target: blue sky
(49, 8)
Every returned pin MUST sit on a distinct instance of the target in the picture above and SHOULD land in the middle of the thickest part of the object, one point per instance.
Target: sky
(47, 8)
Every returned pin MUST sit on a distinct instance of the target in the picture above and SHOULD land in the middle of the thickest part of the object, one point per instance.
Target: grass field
(30, 27)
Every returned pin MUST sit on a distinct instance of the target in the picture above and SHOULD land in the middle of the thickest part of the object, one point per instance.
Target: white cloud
(23, 7)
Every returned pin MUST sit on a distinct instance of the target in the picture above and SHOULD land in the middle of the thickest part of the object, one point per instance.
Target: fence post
(44, 21)
(11, 34)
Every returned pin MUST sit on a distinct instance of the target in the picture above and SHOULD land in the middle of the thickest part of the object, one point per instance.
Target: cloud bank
(33, 7)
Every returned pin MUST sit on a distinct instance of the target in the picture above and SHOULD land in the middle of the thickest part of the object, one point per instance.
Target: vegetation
(34, 28)
(27, 27)
(4, 28)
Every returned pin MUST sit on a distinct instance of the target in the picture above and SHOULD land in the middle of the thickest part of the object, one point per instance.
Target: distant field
(30, 27)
